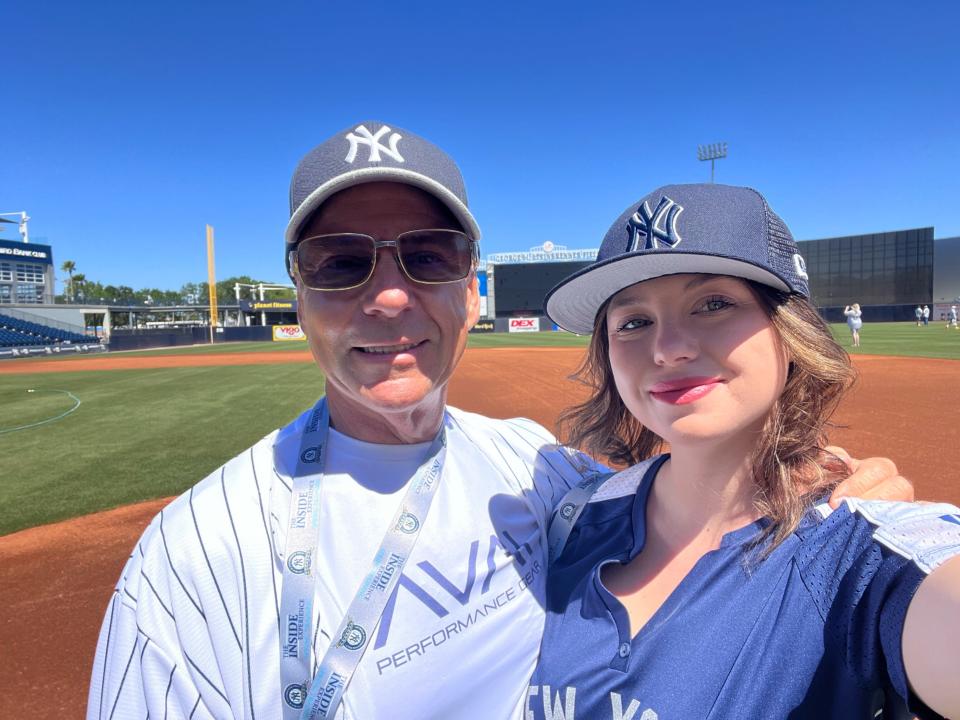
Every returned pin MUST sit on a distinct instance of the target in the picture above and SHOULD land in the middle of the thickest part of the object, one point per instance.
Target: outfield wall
(174, 337)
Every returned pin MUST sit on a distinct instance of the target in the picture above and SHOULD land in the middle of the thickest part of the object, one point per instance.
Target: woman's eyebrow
(621, 300)
(700, 280)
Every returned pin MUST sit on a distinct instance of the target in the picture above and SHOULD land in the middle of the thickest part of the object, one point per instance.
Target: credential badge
(654, 228)
(299, 562)
(353, 637)
(311, 454)
(372, 140)
(294, 695)
(408, 523)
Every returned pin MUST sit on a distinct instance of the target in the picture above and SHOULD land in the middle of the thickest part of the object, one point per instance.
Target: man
(290, 573)
(926, 315)
(919, 313)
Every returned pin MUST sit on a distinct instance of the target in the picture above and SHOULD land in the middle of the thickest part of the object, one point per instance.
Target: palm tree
(68, 267)
(78, 280)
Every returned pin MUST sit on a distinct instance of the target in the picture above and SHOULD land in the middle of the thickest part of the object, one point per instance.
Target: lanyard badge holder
(303, 699)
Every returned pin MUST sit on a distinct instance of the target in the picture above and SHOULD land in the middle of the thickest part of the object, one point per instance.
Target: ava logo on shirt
(465, 607)
(557, 706)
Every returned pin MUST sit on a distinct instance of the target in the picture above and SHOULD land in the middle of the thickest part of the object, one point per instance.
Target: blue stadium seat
(15, 332)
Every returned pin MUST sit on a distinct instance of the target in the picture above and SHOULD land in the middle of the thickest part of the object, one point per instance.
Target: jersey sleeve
(556, 469)
(139, 669)
(863, 568)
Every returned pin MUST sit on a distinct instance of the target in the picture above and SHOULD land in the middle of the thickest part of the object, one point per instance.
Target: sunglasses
(343, 261)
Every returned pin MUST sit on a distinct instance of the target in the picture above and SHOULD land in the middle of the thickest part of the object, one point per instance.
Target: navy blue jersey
(813, 630)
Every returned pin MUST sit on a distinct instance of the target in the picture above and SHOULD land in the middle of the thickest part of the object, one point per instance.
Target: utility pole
(716, 151)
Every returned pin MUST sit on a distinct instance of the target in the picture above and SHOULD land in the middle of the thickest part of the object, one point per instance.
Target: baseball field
(93, 447)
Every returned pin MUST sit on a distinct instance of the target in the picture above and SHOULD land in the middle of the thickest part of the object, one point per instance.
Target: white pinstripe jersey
(192, 630)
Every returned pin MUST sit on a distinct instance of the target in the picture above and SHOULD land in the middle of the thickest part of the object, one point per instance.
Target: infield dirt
(56, 580)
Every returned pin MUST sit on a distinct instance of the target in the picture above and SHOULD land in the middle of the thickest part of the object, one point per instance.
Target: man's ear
(473, 300)
(299, 306)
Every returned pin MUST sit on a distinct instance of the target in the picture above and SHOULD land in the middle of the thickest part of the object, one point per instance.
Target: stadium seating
(15, 332)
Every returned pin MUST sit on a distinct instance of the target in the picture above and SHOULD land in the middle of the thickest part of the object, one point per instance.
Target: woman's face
(695, 357)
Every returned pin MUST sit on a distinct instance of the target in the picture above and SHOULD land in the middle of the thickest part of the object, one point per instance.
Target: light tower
(23, 223)
(716, 151)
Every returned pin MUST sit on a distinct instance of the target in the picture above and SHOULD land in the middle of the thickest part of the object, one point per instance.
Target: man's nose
(389, 291)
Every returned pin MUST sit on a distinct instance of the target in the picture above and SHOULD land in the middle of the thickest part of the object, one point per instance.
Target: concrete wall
(67, 314)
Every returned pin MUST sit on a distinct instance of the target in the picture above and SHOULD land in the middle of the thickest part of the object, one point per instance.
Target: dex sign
(525, 324)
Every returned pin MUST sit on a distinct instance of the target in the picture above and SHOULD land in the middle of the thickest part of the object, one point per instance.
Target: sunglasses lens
(434, 256)
(335, 262)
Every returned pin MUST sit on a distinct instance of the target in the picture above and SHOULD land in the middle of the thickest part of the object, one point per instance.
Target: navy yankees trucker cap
(374, 152)
(705, 228)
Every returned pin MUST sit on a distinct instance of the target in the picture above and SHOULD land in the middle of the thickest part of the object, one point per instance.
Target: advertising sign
(483, 326)
(29, 252)
(288, 332)
(525, 324)
(268, 305)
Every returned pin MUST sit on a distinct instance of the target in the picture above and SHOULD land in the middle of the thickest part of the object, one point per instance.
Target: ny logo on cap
(654, 228)
(365, 137)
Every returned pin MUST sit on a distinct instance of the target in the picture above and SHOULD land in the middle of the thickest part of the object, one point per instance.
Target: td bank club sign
(30, 252)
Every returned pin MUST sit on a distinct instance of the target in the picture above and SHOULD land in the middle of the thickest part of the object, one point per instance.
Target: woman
(709, 582)
(854, 321)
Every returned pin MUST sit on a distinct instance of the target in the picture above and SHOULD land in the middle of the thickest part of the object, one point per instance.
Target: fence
(142, 339)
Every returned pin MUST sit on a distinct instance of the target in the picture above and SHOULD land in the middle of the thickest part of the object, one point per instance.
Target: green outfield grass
(225, 347)
(142, 434)
(545, 339)
(905, 339)
(876, 339)
(138, 434)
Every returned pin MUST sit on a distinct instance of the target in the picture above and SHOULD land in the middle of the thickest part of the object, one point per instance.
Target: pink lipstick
(683, 390)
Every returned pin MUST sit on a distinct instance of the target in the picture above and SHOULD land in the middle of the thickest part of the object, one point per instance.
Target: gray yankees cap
(374, 152)
(705, 228)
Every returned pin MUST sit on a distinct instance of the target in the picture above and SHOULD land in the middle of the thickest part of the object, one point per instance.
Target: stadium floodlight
(23, 223)
(712, 152)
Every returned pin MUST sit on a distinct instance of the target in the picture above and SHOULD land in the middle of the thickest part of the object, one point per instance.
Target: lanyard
(301, 698)
(568, 510)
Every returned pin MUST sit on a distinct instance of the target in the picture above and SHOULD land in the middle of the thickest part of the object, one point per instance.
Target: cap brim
(380, 174)
(573, 304)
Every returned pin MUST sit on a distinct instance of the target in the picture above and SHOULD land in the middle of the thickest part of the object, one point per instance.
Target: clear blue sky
(125, 127)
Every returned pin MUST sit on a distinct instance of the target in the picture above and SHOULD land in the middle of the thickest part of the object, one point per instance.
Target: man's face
(391, 344)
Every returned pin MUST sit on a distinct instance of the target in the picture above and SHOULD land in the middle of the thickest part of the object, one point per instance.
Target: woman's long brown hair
(789, 465)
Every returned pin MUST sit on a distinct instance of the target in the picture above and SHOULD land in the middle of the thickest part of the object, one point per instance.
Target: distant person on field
(919, 313)
(926, 315)
(383, 543)
(854, 321)
(952, 317)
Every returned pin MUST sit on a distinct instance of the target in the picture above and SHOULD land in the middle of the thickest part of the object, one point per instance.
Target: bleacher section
(15, 332)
